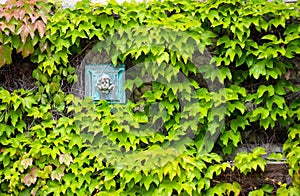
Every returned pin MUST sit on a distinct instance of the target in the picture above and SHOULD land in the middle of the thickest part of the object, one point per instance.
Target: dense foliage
(55, 143)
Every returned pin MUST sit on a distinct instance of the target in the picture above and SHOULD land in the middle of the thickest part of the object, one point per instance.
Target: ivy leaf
(238, 122)
(87, 27)
(276, 156)
(270, 37)
(258, 69)
(262, 89)
(105, 20)
(260, 111)
(110, 183)
(62, 43)
(24, 30)
(76, 140)
(5, 55)
(66, 159)
(28, 101)
(31, 177)
(57, 174)
(266, 122)
(147, 180)
(230, 135)
(75, 34)
(5, 96)
(48, 169)
(258, 192)
(280, 101)
(225, 73)
(14, 116)
(41, 27)
(21, 125)
(58, 99)
(140, 117)
(278, 21)
(26, 48)
(29, 180)
(163, 57)
(65, 121)
(26, 162)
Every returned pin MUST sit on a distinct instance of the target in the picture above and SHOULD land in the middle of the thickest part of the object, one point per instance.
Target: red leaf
(23, 33)
(2, 12)
(34, 171)
(41, 27)
(28, 180)
(10, 3)
(8, 16)
(19, 14)
(2, 25)
(18, 3)
(31, 177)
(33, 18)
(44, 18)
(24, 30)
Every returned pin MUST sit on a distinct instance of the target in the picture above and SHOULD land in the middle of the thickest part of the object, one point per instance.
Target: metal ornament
(105, 82)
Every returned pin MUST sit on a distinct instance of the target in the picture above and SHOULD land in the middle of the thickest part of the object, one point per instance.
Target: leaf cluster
(55, 143)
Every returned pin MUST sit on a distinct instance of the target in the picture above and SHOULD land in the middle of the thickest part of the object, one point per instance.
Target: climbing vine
(218, 69)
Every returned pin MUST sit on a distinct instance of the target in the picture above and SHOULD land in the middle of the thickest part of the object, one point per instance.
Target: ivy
(55, 143)
(246, 162)
(23, 24)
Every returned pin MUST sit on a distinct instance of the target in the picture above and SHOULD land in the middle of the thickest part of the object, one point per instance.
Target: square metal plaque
(105, 82)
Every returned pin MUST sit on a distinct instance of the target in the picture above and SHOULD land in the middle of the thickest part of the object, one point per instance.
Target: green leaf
(162, 57)
(238, 122)
(260, 111)
(75, 140)
(27, 48)
(262, 89)
(280, 101)
(5, 96)
(28, 101)
(34, 111)
(109, 184)
(276, 156)
(61, 43)
(75, 34)
(270, 37)
(258, 192)
(226, 73)
(5, 55)
(258, 151)
(258, 69)
(230, 135)
(58, 99)
(65, 121)
(14, 117)
(21, 125)
(146, 181)
(105, 21)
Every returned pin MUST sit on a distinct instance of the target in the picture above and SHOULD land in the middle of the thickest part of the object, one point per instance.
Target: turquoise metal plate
(105, 82)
